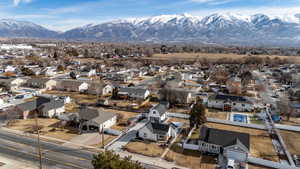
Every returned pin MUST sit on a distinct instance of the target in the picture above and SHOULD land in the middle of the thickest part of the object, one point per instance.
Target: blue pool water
(240, 118)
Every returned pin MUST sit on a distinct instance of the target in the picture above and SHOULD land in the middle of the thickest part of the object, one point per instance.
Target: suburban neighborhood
(165, 114)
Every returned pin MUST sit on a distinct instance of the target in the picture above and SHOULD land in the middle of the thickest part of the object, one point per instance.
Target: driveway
(85, 139)
(130, 135)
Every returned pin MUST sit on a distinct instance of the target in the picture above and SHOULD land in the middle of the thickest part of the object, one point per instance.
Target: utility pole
(102, 135)
(38, 140)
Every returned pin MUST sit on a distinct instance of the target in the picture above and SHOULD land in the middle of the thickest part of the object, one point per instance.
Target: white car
(230, 164)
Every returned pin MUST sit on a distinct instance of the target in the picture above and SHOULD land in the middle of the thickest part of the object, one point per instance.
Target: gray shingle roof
(161, 108)
(158, 128)
(133, 91)
(96, 115)
(224, 137)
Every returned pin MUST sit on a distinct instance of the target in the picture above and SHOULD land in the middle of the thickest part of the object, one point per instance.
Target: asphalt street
(54, 155)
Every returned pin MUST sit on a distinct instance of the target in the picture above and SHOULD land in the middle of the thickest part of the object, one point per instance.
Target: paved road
(54, 155)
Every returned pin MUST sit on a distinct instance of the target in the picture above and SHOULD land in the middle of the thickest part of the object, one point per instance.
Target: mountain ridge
(230, 28)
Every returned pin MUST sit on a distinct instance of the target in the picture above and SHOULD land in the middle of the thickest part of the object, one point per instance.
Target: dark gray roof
(161, 108)
(133, 91)
(96, 115)
(70, 83)
(158, 128)
(27, 106)
(54, 103)
(37, 80)
(224, 137)
(42, 102)
(229, 98)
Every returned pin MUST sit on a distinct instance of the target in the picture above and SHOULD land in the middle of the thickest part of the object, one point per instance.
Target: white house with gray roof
(230, 103)
(157, 113)
(134, 92)
(157, 131)
(92, 119)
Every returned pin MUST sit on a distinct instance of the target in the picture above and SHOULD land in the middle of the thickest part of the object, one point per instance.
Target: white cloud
(212, 2)
(271, 11)
(17, 2)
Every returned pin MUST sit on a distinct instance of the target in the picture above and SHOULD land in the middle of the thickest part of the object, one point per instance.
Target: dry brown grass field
(215, 56)
(49, 127)
(148, 149)
(292, 141)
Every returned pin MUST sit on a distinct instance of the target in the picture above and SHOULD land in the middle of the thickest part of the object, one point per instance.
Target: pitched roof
(96, 115)
(37, 80)
(229, 98)
(54, 103)
(133, 91)
(70, 83)
(224, 137)
(158, 128)
(161, 108)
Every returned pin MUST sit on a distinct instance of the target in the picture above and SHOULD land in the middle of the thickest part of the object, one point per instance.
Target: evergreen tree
(109, 160)
(197, 114)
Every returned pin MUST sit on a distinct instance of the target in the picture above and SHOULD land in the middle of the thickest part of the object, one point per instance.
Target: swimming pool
(240, 118)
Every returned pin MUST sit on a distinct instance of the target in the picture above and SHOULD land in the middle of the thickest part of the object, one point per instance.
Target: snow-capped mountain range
(258, 29)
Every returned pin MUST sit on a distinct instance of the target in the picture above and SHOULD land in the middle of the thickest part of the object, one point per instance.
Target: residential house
(92, 119)
(175, 95)
(72, 86)
(234, 85)
(11, 83)
(43, 105)
(41, 83)
(54, 108)
(229, 103)
(294, 92)
(157, 131)
(229, 144)
(134, 92)
(95, 88)
(157, 113)
(107, 90)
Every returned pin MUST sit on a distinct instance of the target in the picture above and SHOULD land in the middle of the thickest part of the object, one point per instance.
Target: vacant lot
(260, 143)
(213, 56)
(292, 141)
(144, 148)
(48, 127)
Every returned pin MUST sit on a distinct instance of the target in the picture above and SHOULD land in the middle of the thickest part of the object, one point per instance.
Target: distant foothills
(225, 29)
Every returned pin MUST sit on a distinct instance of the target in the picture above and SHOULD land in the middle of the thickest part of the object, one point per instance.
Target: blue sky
(65, 14)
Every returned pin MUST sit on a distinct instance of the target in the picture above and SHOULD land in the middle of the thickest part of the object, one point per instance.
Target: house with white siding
(92, 119)
(12, 83)
(230, 103)
(134, 92)
(157, 113)
(226, 144)
(157, 131)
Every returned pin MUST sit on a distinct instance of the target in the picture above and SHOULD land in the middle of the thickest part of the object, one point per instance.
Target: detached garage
(92, 119)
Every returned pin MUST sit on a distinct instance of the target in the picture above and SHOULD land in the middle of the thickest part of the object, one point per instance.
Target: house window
(243, 105)
(145, 135)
